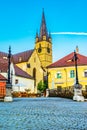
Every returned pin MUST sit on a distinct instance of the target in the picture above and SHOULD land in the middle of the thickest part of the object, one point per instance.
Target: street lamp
(9, 62)
(8, 96)
(77, 87)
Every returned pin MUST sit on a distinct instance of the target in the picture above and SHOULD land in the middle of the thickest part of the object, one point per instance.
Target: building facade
(61, 74)
(19, 79)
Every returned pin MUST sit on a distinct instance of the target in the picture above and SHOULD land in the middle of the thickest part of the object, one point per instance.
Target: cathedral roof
(22, 57)
(68, 61)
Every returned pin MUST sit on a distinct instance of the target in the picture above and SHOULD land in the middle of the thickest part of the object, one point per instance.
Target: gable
(34, 59)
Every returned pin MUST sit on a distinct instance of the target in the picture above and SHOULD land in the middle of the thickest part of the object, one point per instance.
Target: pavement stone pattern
(43, 114)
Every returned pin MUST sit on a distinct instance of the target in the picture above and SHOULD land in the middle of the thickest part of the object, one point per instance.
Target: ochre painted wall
(34, 63)
(65, 80)
(44, 55)
(22, 65)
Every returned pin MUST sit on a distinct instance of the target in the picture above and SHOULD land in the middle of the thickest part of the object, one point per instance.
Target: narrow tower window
(48, 49)
(39, 49)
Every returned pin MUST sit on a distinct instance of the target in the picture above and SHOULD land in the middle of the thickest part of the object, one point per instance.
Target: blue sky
(19, 20)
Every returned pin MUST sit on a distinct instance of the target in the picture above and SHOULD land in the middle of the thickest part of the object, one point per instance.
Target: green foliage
(42, 86)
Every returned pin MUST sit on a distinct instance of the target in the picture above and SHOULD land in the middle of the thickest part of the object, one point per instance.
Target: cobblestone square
(43, 114)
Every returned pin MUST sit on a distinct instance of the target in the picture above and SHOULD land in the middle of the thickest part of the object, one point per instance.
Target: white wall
(23, 83)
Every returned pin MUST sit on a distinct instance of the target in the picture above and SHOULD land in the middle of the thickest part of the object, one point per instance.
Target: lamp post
(77, 87)
(8, 96)
(75, 57)
(9, 62)
(47, 90)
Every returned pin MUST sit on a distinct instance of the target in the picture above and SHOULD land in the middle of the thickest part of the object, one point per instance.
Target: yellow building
(61, 74)
(34, 61)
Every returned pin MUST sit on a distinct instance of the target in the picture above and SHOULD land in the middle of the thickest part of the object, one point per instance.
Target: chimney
(77, 49)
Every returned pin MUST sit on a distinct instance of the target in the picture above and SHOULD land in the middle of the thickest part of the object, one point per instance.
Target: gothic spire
(43, 28)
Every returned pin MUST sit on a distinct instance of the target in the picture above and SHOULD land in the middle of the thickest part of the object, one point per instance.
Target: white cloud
(69, 33)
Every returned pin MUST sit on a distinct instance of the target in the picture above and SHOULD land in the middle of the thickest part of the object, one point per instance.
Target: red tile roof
(18, 71)
(3, 54)
(3, 67)
(2, 77)
(22, 57)
(21, 73)
(67, 61)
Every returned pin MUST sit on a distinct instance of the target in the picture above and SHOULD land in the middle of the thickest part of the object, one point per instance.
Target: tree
(42, 86)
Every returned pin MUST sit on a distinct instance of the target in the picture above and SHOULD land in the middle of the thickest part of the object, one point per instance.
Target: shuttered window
(72, 74)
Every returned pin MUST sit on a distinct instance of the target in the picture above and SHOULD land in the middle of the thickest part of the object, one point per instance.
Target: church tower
(43, 44)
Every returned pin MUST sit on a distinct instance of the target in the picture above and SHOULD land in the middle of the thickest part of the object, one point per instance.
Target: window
(39, 49)
(59, 75)
(48, 49)
(85, 73)
(34, 76)
(28, 65)
(16, 81)
(20, 59)
(72, 74)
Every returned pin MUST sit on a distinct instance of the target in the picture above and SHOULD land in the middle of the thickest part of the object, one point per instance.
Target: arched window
(39, 49)
(48, 49)
(34, 76)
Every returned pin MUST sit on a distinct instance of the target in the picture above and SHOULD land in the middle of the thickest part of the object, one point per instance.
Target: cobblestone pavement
(43, 114)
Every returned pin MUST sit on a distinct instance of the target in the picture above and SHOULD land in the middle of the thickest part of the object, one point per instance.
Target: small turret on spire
(50, 39)
(37, 37)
